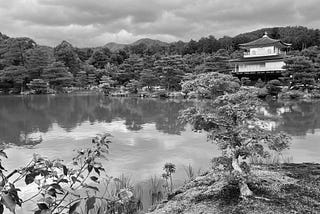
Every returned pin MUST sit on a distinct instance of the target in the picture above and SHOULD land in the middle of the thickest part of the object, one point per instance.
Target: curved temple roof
(264, 41)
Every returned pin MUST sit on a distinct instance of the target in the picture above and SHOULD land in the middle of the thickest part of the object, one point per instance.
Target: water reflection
(146, 132)
(296, 118)
(22, 116)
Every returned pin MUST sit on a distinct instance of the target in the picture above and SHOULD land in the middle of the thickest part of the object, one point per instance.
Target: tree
(301, 70)
(100, 58)
(171, 70)
(233, 124)
(169, 169)
(57, 75)
(133, 86)
(148, 78)
(106, 83)
(218, 62)
(81, 79)
(245, 81)
(130, 69)
(171, 77)
(12, 51)
(37, 59)
(14, 75)
(209, 85)
(274, 87)
(39, 86)
(65, 53)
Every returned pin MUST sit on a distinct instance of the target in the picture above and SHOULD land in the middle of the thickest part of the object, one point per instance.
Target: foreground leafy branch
(68, 189)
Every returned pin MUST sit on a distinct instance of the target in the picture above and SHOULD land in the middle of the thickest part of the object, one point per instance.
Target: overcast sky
(87, 23)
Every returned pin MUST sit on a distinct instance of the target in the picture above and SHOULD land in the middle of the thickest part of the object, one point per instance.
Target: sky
(87, 23)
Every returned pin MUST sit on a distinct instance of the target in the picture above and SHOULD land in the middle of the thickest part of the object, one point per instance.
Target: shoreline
(285, 188)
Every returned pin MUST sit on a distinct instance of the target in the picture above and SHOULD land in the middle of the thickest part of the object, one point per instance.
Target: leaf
(65, 170)
(91, 187)
(90, 203)
(8, 202)
(1, 167)
(52, 192)
(63, 181)
(3, 154)
(56, 186)
(43, 205)
(97, 170)
(74, 179)
(94, 178)
(29, 178)
(73, 207)
(90, 167)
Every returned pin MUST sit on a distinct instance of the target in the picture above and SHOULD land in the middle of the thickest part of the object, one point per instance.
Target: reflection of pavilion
(263, 58)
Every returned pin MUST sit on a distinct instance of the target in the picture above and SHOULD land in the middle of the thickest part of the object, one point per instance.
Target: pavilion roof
(264, 41)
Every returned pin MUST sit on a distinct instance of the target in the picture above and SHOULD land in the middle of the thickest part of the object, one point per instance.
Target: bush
(292, 94)
(259, 84)
(273, 87)
(209, 85)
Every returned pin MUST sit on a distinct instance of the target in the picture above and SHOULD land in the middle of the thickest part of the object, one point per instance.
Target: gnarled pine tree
(233, 124)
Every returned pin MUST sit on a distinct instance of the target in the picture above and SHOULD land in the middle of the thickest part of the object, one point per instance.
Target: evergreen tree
(14, 77)
(100, 58)
(65, 53)
(37, 59)
(57, 75)
(301, 70)
(149, 78)
(12, 51)
(39, 86)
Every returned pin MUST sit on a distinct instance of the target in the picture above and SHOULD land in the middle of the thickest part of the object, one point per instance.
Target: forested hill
(144, 42)
(299, 37)
(145, 62)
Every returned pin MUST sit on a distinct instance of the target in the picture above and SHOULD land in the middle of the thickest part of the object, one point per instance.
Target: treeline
(24, 65)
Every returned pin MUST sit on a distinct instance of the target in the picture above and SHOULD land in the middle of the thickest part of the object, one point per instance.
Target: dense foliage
(144, 64)
(209, 85)
(233, 124)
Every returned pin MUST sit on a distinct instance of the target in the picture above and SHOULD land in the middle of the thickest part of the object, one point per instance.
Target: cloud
(96, 22)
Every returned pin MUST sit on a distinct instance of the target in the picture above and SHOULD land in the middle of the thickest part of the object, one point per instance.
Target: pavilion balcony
(275, 53)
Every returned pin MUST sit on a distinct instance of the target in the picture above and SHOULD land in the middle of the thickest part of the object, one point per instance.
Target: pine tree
(57, 75)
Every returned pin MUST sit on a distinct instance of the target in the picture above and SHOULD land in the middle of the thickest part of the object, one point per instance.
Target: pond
(146, 132)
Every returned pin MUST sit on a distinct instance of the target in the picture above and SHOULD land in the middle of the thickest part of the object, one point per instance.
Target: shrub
(62, 188)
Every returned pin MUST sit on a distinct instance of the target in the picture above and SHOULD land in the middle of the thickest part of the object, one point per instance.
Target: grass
(156, 189)
(191, 173)
(273, 159)
(123, 182)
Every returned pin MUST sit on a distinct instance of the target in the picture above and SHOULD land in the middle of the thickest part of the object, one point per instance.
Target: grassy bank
(288, 188)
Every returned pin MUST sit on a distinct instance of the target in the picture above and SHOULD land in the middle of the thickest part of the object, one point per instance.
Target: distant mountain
(148, 42)
(115, 46)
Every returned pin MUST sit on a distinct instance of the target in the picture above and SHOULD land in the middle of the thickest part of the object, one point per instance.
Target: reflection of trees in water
(25, 115)
(298, 118)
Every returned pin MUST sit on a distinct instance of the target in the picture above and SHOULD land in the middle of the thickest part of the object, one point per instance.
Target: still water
(146, 132)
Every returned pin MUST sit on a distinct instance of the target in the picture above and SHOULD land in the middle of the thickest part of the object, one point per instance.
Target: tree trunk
(244, 189)
(171, 185)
